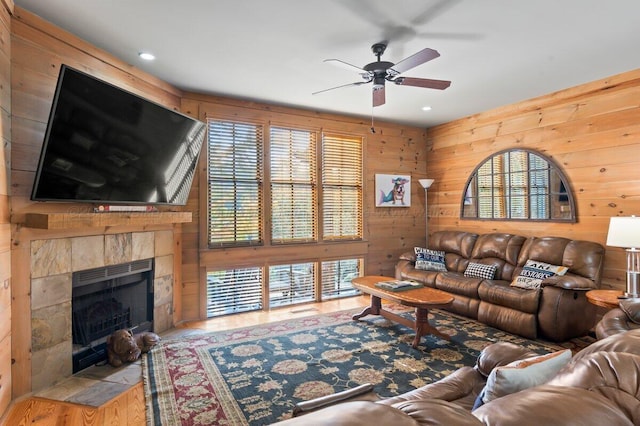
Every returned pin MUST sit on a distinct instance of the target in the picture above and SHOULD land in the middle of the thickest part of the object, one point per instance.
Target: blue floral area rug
(255, 375)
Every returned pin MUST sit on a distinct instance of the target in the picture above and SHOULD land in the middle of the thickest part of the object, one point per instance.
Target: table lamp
(625, 232)
(426, 183)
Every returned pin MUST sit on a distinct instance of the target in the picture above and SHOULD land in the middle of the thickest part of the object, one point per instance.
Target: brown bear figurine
(124, 346)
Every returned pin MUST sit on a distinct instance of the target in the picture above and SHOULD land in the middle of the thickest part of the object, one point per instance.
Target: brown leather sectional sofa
(558, 311)
(600, 385)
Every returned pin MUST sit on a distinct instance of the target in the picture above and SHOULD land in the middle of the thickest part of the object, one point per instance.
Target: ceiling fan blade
(412, 61)
(378, 96)
(345, 65)
(422, 82)
(357, 83)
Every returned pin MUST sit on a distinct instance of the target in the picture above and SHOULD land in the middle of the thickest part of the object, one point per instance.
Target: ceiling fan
(380, 72)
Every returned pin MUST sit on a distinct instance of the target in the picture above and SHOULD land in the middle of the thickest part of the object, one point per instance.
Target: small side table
(605, 298)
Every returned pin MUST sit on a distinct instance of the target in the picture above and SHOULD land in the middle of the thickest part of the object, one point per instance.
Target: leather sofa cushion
(462, 387)
(436, 412)
(508, 319)
(353, 413)
(613, 322)
(551, 405)
(407, 413)
(622, 342)
(583, 258)
(457, 242)
(428, 278)
(631, 307)
(499, 246)
(458, 284)
(544, 249)
(614, 375)
(502, 293)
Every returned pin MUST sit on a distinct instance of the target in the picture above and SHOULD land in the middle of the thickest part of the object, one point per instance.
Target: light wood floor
(127, 408)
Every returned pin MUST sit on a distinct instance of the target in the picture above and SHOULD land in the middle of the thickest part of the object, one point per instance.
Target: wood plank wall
(5, 212)
(592, 131)
(388, 232)
(38, 49)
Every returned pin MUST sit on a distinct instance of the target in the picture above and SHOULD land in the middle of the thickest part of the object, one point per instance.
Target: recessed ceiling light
(426, 108)
(146, 56)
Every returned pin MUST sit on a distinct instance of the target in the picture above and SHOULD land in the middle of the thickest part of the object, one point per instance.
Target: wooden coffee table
(421, 299)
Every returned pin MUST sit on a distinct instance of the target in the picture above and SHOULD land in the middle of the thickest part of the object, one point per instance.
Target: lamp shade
(624, 232)
(426, 183)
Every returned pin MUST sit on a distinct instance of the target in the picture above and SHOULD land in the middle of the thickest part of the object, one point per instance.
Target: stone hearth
(52, 263)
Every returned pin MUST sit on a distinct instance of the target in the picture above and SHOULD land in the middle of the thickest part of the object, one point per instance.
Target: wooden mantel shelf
(93, 220)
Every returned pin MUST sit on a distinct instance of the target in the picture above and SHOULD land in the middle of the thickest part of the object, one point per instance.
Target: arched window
(518, 184)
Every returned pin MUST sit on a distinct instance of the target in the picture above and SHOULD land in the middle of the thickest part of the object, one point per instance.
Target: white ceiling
(495, 52)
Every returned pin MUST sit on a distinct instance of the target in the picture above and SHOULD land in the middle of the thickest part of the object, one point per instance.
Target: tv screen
(105, 145)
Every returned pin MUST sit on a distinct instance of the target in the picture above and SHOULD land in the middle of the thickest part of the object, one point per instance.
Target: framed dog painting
(393, 190)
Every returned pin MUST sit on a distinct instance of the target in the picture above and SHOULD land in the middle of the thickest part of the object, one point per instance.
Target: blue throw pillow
(430, 260)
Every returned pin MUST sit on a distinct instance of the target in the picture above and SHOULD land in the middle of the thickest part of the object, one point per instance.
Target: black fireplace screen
(105, 300)
(99, 319)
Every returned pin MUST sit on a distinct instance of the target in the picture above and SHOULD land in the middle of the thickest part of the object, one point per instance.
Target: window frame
(471, 195)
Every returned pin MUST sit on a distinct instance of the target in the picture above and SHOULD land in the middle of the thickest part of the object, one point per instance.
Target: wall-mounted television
(105, 145)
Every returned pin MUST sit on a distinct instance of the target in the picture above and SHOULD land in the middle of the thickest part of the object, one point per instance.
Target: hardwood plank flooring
(93, 398)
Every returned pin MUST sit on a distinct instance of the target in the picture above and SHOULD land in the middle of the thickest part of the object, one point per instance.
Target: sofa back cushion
(498, 249)
(614, 375)
(628, 341)
(584, 258)
(457, 245)
(552, 405)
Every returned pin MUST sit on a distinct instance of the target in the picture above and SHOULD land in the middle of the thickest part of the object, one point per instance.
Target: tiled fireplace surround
(52, 263)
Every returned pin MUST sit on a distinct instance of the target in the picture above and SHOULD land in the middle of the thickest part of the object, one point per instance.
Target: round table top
(605, 298)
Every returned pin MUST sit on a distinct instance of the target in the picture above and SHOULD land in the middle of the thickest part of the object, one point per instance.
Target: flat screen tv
(105, 145)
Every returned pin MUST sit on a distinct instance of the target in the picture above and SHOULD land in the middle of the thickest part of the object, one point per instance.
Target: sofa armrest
(462, 387)
(409, 255)
(500, 353)
(570, 282)
(327, 400)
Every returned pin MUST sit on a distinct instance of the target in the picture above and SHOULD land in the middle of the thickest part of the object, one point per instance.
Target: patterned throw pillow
(430, 260)
(534, 272)
(480, 270)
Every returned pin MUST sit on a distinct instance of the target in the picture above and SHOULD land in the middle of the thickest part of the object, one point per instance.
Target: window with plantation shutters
(292, 160)
(234, 291)
(337, 276)
(234, 184)
(341, 187)
(308, 191)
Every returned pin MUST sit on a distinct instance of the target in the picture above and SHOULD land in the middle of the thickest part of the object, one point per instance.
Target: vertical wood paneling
(5, 207)
(591, 131)
(38, 49)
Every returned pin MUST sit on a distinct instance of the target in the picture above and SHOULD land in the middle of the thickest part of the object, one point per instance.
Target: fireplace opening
(107, 299)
